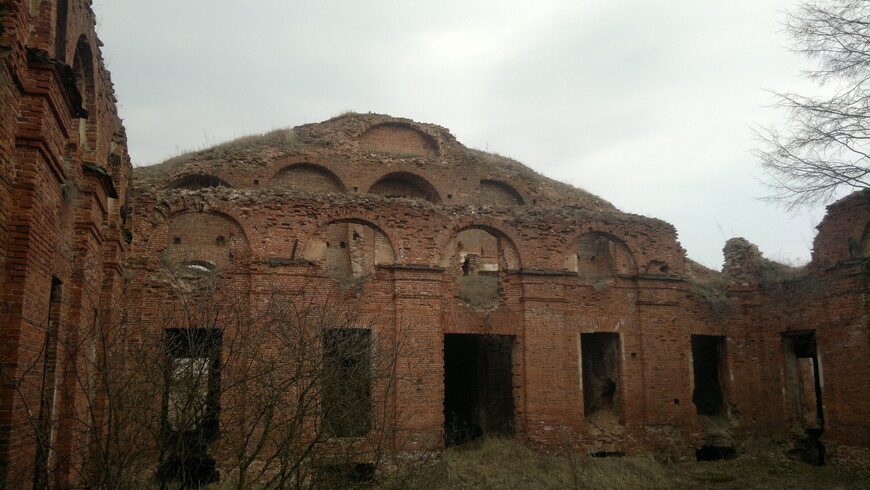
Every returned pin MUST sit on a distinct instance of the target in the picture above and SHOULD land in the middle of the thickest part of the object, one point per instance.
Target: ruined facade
(64, 171)
(456, 293)
(535, 308)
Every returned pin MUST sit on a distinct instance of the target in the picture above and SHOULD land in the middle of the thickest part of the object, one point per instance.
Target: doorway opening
(804, 389)
(478, 386)
(708, 396)
(600, 356)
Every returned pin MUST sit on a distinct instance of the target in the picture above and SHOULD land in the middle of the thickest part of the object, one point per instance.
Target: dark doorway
(600, 355)
(478, 386)
(706, 365)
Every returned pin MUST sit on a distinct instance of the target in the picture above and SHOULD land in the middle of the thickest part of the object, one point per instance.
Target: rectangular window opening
(347, 390)
(193, 379)
(191, 404)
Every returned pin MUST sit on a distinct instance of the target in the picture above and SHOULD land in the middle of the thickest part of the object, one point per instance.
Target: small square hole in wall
(256, 182)
(354, 189)
(176, 241)
(220, 240)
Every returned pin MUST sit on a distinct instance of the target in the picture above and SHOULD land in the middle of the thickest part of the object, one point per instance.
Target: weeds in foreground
(505, 463)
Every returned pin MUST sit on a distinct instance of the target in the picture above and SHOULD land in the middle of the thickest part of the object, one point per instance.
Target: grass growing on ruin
(284, 139)
(505, 463)
(508, 166)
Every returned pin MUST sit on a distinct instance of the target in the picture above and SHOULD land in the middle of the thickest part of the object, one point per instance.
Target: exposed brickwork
(592, 310)
(567, 265)
(62, 180)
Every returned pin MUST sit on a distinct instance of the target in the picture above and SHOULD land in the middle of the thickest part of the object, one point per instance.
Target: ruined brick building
(523, 306)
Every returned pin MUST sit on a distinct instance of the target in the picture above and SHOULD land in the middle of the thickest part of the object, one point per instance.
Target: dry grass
(713, 289)
(504, 165)
(770, 271)
(283, 139)
(504, 463)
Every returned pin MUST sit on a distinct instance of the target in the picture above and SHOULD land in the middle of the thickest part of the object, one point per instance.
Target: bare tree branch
(824, 147)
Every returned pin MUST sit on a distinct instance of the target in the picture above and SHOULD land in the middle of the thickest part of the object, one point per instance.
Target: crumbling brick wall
(399, 219)
(63, 177)
(567, 265)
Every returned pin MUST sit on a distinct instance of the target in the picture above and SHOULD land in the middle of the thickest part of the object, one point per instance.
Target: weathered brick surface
(567, 264)
(402, 221)
(59, 220)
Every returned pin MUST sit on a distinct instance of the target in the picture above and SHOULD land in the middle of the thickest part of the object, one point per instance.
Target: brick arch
(189, 180)
(630, 268)
(343, 215)
(400, 138)
(492, 191)
(332, 172)
(166, 210)
(428, 191)
(493, 226)
(358, 254)
(335, 169)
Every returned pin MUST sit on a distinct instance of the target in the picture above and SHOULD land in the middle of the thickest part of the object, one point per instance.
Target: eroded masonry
(368, 285)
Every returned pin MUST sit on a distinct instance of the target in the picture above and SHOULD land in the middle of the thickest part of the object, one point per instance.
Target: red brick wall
(645, 296)
(56, 221)
(397, 138)
(402, 271)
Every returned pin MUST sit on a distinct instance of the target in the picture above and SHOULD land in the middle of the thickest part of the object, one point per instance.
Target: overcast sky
(649, 105)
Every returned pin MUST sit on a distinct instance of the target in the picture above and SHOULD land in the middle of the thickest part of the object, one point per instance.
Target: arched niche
(405, 185)
(349, 250)
(498, 193)
(477, 256)
(198, 181)
(599, 256)
(198, 242)
(307, 177)
(399, 139)
(83, 72)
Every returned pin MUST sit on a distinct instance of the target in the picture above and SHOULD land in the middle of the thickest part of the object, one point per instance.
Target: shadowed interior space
(478, 387)
(706, 360)
(600, 357)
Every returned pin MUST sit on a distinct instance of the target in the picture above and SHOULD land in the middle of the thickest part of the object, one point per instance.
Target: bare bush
(221, 383)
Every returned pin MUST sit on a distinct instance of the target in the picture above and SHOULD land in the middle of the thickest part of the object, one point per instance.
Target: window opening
(191, 405)
(347, 390)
